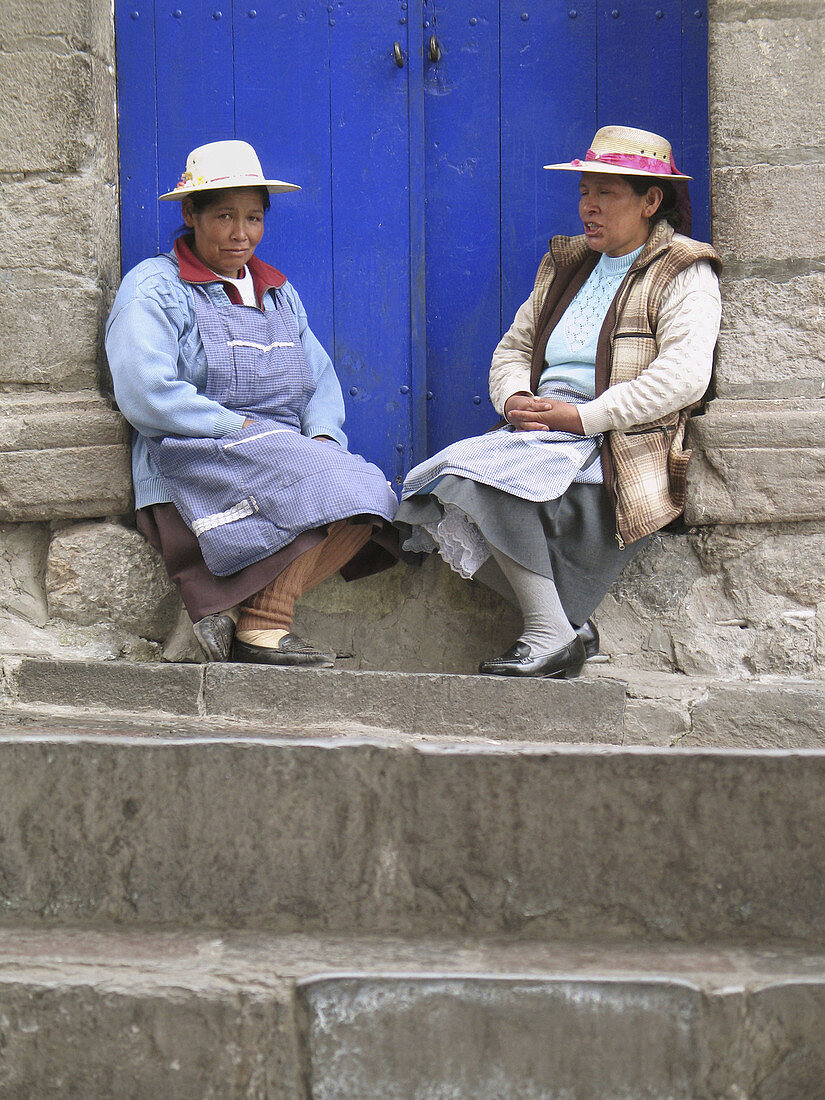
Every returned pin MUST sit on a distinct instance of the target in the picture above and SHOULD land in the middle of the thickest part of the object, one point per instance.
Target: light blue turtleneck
(570, 356)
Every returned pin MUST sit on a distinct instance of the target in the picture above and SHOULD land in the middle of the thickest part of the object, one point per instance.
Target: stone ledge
(423, 704)
(610, 706)
(344, 835)
(41, 420)
(64, 483)
(62, 456)
(756, 462)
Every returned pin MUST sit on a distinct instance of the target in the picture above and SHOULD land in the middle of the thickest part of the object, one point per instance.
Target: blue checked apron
(251, 493)
(536, 466)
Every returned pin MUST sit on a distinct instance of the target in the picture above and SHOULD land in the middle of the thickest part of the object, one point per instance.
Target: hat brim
(274, 187)
(615, 170)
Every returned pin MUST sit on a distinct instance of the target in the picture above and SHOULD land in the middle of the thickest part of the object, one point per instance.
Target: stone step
(388, 835)
(606, 706)
(236, 1015)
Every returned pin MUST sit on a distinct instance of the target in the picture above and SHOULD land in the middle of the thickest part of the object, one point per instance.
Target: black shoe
(215, 634)
(291, 650)
(589, 634)
(566, 662)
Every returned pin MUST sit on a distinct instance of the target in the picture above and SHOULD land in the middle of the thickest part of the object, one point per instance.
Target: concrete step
(640, 708)
(346, 835)
(186, 1015)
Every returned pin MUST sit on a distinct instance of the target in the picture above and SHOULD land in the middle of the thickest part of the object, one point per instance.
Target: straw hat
(628, 152)
(223, 164)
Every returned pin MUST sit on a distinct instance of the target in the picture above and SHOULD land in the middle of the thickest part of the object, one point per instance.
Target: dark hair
(669, 207)
(201, 200)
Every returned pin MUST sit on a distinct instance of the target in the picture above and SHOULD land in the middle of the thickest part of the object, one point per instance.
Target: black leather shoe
(589, 634)
(564, 663)
(291, 650)
(215, 634)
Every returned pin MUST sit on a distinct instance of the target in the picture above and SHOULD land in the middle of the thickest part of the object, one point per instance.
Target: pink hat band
(650, 165)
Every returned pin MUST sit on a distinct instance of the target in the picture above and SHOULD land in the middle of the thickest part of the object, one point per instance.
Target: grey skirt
(571, 539)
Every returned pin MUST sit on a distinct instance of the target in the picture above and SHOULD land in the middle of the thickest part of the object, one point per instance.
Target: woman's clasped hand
(537, 414)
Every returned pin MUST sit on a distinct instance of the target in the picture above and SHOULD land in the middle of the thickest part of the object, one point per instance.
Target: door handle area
(435, 49)
(398, 54)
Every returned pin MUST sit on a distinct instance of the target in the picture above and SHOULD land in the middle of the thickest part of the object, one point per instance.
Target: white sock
(546, 628)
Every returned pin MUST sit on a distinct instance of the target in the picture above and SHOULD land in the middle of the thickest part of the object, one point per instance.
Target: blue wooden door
(417, 129)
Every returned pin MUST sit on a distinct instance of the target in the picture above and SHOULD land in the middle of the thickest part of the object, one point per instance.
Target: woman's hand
(537, 414)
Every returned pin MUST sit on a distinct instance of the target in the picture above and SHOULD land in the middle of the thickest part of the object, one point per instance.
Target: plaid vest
(646, 467)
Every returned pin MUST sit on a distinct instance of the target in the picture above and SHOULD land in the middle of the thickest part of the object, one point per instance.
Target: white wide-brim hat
(223, 164)
(625, 151)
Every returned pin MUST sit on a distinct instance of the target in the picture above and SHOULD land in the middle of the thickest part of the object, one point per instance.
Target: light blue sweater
(159, 367)
(570, 355)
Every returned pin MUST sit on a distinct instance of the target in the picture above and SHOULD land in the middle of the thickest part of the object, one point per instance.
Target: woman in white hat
(243, 481)
(596, 379)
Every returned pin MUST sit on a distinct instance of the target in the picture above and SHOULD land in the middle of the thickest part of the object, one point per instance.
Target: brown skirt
(205, 594)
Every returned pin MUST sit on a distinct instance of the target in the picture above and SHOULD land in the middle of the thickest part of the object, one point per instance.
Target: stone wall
(61, 449)
(741, 593)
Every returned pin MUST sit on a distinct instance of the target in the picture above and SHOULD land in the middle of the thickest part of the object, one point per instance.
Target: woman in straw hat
(243, 481)
(595, 380)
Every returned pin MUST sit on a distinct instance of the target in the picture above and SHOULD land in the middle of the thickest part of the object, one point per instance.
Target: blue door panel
(194, 88)
(548, 114)
(137, 130)
(370, 168)
(282, 109)
(640, 44)
(694, 113)
(463, 215)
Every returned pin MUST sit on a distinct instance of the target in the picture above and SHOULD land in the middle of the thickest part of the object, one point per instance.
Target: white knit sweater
(686, 335)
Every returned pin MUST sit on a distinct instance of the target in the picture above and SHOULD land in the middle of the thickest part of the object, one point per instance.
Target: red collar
(264, 277)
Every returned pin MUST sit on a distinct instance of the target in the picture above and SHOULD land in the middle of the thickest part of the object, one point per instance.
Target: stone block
(65, 223)
(760, 485)
(65, 483)
(110, 1032)
(767, 82)
(36, 421)
(103, 572)
(763, 212)
(53, 93)
(784, 1046)
(755, 462)
(110, 685)
(771, 339)
(657, 722)
(668, 845)
(722, 601)
(761, 715)
(62, 456)
(75, 24)
(500, 1039)
(425, 704)
(59, 350)
(23, 549)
